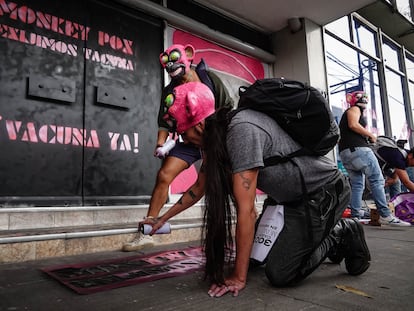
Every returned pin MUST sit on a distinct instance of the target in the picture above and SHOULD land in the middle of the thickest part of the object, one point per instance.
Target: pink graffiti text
(62, 26)
(65, 135)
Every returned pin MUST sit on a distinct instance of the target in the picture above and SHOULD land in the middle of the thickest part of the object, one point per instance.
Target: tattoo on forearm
(192, 194)
(246, 182)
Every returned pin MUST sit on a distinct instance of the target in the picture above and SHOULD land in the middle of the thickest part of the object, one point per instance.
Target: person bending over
(177, 61)
(394, 163)
(234, 150)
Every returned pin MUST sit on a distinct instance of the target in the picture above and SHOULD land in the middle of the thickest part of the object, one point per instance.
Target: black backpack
(300, 109)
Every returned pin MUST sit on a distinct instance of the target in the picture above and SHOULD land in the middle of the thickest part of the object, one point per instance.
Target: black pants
(305, 239)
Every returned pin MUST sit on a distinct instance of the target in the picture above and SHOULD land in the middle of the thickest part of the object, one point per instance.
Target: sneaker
(365, 213)
(336, 255)
(351, 246)
(357, 257)
(138, 243)
(393, 221)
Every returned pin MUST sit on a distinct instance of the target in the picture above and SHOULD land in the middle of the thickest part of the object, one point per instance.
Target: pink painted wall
(236, 70)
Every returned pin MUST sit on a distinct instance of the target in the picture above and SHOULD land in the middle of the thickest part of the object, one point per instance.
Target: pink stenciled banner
(93, 277)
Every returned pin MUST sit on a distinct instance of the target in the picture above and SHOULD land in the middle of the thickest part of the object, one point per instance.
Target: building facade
(361, 56)
(80, 87)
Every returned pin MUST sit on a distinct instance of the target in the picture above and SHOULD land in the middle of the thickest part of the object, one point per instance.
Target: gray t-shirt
(253, 136)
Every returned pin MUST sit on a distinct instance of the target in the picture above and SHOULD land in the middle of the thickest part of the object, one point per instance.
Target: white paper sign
(271, 224)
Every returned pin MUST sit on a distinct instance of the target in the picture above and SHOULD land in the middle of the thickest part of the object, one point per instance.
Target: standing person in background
(234, 150)
(360, 161)
(177, 61)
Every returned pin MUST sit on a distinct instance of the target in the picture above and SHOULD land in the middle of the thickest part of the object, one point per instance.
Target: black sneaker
(336, 255)
(357, 255)
(342, 233)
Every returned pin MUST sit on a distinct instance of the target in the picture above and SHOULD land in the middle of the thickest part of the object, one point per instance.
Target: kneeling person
(234, 149)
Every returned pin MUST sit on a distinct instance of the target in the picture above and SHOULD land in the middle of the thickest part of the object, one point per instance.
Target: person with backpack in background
(360, 161)
(235, 147)
(394, 162)
(177, 61)
(392, 182)
(410, 170)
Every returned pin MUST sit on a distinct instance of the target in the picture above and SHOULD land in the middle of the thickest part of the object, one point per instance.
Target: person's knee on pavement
(279, 277)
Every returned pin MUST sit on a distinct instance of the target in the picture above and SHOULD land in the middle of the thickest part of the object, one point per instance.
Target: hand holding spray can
(162, 151)
(146, 229)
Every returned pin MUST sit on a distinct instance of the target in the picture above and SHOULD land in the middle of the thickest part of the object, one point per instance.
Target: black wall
(79, 92)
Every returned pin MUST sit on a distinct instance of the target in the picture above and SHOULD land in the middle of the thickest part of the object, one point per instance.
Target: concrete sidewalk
(389, 283)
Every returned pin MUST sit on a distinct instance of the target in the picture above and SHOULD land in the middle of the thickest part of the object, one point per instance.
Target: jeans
(394, 189)
(410, 172)
(301, 246)
(359, 164)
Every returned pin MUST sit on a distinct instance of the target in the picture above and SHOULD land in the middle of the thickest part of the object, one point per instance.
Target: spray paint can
(162, 151)
(146, 229)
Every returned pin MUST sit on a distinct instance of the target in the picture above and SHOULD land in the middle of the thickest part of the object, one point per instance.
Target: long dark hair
(218, 239)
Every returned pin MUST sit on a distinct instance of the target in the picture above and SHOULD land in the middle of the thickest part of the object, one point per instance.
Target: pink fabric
(193, 102)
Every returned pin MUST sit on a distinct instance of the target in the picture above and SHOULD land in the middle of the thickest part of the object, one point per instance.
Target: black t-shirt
(390, 159)
(349, 138)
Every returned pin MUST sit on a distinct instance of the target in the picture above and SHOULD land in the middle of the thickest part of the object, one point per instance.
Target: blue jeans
(359, 164)
(410, 172)
(394, 189)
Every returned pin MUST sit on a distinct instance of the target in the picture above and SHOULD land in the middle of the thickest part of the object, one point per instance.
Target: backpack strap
(202, 72)
(274, 160)
(233, 112)
(331, 217)
(305, 199)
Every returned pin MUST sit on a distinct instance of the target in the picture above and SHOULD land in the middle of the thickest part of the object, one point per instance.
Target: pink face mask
(358, 97)
(177, 59)
(193, 102)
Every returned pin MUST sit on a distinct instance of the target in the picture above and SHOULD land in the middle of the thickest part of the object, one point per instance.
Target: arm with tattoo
(246, 181)
(244, 189)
